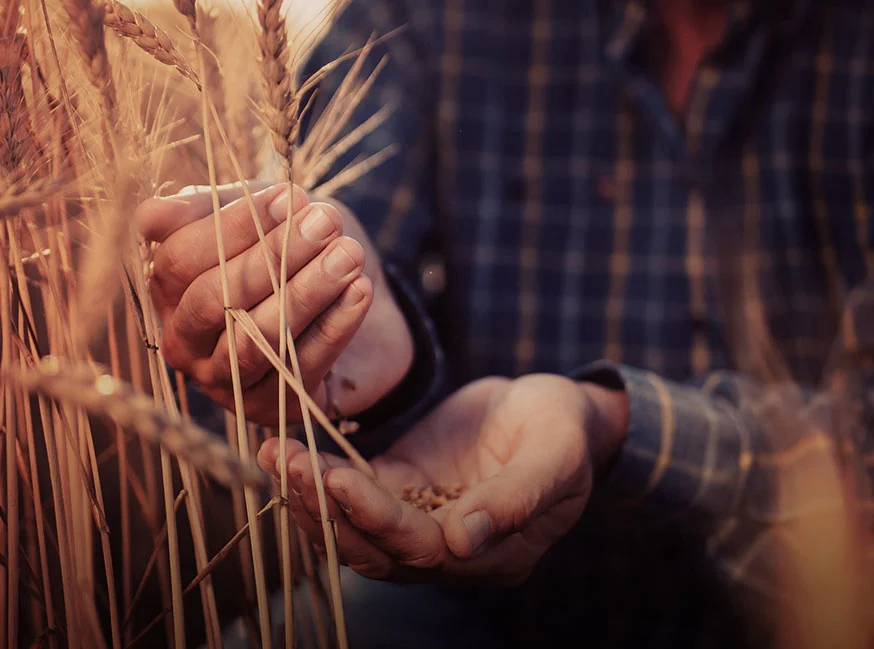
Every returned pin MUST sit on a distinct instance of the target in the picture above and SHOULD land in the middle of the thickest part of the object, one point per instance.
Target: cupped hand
(525, 452)
(338, 303)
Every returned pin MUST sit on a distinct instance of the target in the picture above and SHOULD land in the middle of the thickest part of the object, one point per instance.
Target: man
(605, 185)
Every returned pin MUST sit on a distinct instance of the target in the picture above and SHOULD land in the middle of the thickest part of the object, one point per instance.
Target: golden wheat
(102, 394)
(147, 36)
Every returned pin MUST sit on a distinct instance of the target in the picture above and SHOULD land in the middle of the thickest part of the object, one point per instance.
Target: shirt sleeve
(745, 463)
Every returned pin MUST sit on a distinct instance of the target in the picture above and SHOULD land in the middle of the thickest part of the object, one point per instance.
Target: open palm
(519, 448)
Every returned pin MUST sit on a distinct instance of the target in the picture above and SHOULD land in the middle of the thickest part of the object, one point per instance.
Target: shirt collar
(625, 20)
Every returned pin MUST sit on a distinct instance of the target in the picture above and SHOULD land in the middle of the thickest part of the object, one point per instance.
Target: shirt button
(433, 275)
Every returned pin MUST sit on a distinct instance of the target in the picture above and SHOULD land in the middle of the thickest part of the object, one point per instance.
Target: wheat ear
(150, 38)
(86, 27)
(102, 394)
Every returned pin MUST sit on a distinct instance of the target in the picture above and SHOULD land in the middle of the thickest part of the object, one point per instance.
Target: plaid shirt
(582, 229)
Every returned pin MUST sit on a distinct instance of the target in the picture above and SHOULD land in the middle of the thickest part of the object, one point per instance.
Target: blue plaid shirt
(582, 229)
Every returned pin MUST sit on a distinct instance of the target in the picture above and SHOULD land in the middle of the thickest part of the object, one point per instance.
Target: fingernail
(352, 296)
(295, 483)
(316, 225)
(339, 263)
(342, 498)
(479, 528)
(278, 209)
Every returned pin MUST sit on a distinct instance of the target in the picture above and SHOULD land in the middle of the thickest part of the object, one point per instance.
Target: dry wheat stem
(102, 394)
(12, 515)
(150, 564)
(316, 591)
(281, 108)
(238, 504)
(121, 446)
(239, 406)
(147, 36)
(195, 509)
(26, 311)
(284, 520)
(170, 517)
(115, 628)
(251, 329)
(217, 559)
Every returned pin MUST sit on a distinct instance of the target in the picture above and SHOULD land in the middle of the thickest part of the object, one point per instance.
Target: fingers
(354, 550)
(505, 503)
(197, 321)
(321, 344)
(191, 250)
(157, 218)
(409, 536)
(323, 314)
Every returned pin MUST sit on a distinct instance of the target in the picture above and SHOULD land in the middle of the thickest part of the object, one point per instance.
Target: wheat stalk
(281, 110)
(188, 9)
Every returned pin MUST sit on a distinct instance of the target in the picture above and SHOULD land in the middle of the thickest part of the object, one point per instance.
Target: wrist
(606, 426)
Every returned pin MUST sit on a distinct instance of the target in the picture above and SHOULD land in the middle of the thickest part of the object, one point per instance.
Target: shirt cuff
(686, 447)
(424, 385)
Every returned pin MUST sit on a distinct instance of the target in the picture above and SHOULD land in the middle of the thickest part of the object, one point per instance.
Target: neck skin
(688, 31)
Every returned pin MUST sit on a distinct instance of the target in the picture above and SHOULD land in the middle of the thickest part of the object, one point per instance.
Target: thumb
(496, 508)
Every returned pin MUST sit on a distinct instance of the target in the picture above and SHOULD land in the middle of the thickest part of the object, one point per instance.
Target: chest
(570, 193)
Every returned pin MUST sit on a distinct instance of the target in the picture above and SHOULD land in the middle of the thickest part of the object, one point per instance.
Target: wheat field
(120, 513)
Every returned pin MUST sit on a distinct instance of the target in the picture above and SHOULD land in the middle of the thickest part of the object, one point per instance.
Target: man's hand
(526, 452)
(339, 305)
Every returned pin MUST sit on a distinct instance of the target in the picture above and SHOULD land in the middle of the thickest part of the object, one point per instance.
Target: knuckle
(218, 370)
(238, 224)
(250, 360)
(301, 298)
(331, 330)
(170, 268)
(516, 508)
(173, 350)
(388, 526)
(274, 250)
(425, 561)
(202, 374)
(204, 306)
